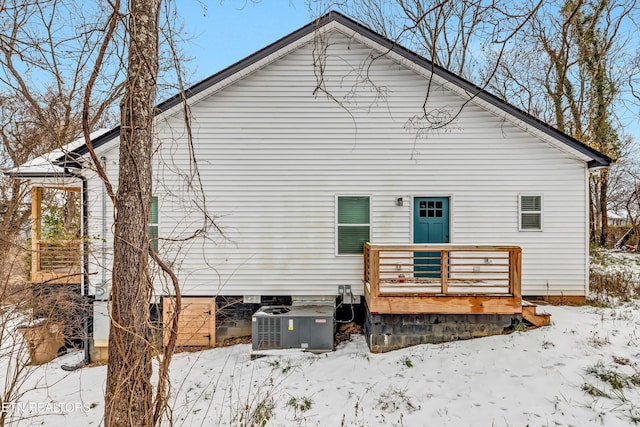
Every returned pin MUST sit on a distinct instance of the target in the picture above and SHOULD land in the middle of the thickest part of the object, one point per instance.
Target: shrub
(618, 284)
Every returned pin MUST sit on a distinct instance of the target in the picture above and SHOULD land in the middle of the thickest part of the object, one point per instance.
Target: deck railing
(432, 272)
(56, 261)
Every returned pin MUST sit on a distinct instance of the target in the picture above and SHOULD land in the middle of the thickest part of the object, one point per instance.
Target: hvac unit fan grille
(269, 333)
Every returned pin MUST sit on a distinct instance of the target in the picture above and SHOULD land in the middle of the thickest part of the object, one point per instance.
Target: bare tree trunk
(129, 393)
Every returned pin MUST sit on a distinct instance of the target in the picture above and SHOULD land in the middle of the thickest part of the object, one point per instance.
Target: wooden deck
(443, 279)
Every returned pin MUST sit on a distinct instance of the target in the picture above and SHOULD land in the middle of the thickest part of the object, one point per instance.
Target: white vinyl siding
(530, 213)
(272, 157)
(353, 224)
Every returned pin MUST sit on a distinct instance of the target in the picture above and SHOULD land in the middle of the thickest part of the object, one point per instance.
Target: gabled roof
(598, 159)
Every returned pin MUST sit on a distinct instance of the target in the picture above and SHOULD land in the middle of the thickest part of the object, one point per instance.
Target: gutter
(28, 175)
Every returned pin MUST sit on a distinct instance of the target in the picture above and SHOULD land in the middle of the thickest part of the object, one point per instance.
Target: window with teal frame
(353, 224)
(153, 224)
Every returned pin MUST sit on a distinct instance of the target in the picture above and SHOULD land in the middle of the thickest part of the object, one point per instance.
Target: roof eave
(216, 78)
(598, 159)
(30, 175)
(600, 163)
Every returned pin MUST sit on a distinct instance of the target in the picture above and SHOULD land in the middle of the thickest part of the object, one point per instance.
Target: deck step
(536, 319)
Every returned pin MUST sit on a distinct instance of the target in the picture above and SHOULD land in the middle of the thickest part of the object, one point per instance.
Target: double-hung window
(353, 224)
(530, 212)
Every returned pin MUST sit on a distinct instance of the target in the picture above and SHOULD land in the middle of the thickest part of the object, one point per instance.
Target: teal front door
(430, 225)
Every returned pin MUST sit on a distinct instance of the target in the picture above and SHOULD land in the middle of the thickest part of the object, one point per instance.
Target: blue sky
(226, 32)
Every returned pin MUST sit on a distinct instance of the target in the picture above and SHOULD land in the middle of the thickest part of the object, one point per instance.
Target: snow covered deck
(444, 279)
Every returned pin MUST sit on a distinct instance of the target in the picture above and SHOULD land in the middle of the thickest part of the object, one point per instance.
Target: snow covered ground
(611, 260)
(583, 370)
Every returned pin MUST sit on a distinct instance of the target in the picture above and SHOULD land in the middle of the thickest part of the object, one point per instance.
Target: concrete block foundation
(386, 332)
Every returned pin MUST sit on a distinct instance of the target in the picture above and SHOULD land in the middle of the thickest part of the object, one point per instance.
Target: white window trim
(541, 212)
(335, 220)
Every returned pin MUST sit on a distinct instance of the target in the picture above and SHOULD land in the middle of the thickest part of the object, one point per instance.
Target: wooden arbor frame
(52, 262)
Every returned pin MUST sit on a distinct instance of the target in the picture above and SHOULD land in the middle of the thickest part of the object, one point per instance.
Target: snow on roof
(45, 165)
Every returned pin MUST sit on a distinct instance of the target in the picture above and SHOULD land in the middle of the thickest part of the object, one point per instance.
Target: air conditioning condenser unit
(309, 327)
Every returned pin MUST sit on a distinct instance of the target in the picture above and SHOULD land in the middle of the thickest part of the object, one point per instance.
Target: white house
(617, 218)
(322, 141)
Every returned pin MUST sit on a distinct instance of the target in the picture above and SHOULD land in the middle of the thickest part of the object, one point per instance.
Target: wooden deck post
(36, 227)
(374, 273)
(444, 271)
(515, 272)
(365, 257)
